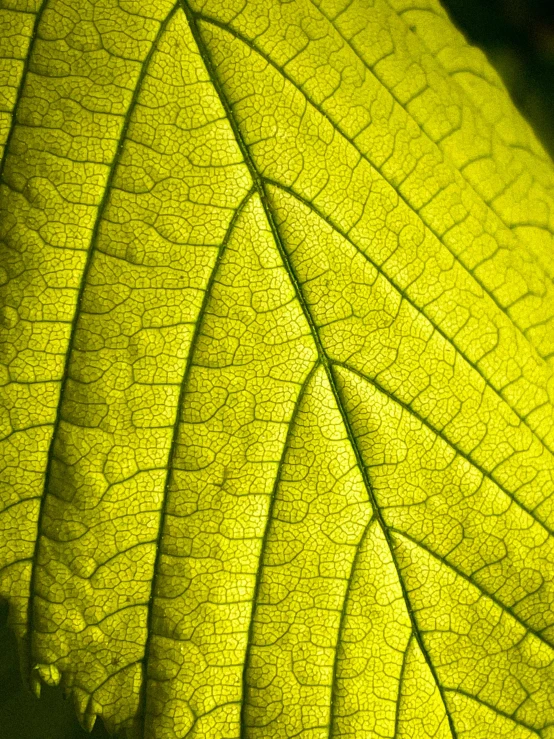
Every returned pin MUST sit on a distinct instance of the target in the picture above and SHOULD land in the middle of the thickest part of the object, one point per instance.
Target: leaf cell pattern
(277, 448)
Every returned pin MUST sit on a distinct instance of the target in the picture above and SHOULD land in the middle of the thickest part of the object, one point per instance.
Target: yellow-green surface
(277, 371)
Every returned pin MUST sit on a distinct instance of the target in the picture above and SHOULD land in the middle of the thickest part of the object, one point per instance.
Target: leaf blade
(367, 261)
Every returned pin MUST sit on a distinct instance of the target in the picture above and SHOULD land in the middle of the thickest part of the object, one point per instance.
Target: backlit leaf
(277, 391)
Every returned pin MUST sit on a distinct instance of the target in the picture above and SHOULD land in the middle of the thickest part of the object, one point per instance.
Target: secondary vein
(442, 435)
(172, 453)
(21, 87)
(263, 547)
(268, 210)
(236, 34)
(408, 299)
(82, 286)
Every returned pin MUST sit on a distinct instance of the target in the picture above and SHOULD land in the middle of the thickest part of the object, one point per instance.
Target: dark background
(518, 38)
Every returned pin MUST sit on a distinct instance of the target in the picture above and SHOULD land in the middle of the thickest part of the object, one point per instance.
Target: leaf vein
(74, 323)
(453, 446)
(500, 712)
(400, 681)
(172, 453)
(260, 187)
(405, 296)
(21, 87)
(236, 34)
(264, 544)
(468, 578)
(404, 105)
(342, 623)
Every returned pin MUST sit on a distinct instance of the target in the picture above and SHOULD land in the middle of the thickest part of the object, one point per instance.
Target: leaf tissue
(277, 351)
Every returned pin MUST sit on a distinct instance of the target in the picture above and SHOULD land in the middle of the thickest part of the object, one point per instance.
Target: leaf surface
(278, 339)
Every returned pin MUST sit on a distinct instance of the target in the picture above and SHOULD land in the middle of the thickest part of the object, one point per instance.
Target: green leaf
(277, 353)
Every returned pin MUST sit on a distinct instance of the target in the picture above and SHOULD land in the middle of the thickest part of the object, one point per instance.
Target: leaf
(277, 361)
